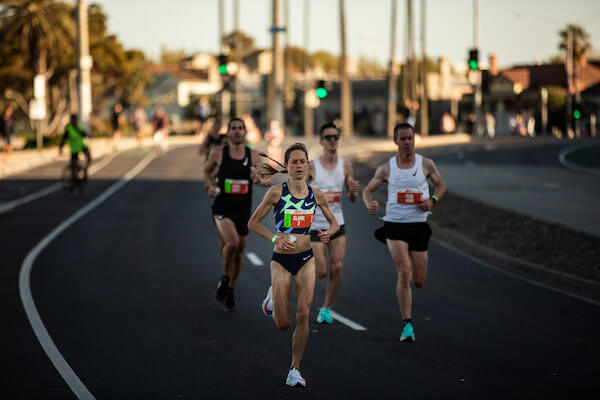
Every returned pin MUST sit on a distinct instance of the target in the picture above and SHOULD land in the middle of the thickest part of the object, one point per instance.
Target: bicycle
(73, 180)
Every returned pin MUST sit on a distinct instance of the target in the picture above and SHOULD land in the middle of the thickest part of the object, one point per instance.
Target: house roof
(536, 76)
(178, 73)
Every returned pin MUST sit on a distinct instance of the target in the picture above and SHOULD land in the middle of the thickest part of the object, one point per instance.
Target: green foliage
(40, 38)
(325, 60)
(296, 57)
(557, 98)
(171, 57)
(370, 67)
(238, 41)
(581, 41)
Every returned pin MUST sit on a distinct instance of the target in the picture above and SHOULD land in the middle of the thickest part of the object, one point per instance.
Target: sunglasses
(331, 137)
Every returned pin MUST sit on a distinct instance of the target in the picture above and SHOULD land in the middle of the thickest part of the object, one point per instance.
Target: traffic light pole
(225, 95)
(392, 85)
(308, 111)
(477, 131)
(85, 65)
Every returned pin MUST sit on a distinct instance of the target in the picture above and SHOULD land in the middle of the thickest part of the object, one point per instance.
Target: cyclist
(76, 135)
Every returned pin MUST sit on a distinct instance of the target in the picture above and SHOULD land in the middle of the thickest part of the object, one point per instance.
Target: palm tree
(581, 41)
(39, 29)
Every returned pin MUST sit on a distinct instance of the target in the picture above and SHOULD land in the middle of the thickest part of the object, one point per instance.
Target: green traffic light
(223, 69)
(577, 114)
(473, 64)
(321, 93)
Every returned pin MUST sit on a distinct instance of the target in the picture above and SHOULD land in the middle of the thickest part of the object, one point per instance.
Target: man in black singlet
(229, 175)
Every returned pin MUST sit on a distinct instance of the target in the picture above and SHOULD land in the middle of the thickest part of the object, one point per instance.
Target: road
(530, 181)
(125, 296)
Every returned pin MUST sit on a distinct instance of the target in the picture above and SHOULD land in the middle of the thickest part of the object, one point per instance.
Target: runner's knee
(336, 267)
(418, 282)
(283, 323)
(302, 315)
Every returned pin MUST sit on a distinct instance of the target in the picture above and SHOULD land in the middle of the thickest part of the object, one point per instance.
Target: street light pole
(424, 98)
(308, 111)
(85, 65)
(225, 94)
(392, 82)
(346, 89)
(275, 93)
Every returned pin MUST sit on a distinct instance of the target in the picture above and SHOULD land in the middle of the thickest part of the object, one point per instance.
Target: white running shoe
(294, 378)
(267, 304)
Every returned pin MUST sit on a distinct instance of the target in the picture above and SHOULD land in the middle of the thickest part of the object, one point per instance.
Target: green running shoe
(324, 316)
(408, 333)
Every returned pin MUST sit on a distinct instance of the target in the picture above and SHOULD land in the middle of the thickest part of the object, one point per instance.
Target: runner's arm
(269, 201)
(352, 185)
(381, 175)
(333, 224)
(209, 168)
(432, 173)
(310, 174)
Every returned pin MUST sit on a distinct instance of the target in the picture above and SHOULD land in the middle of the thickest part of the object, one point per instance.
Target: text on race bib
(236, 186)
(333, 196)
(298, 218)
(409, 196)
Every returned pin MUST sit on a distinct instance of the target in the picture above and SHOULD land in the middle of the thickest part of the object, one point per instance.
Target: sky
(191, 25)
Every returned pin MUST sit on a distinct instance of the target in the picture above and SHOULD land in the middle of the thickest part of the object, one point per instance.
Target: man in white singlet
(406, 231)
(331, 174)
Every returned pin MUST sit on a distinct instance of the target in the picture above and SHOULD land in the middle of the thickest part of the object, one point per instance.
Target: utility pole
(392, 83)
(85, 65)
(424, 123)
(477, 100)
(239, 108)
(569, 61)
(308, 111)
(275, 93)
(225, 94)
(346, 89)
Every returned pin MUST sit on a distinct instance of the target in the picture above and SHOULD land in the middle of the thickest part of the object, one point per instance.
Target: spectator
(7, 128)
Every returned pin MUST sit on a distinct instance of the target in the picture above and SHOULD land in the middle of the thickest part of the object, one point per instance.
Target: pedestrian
(406, 231)
(229, 174)
(7, 128)
(331, 174)
(213, 139)
(293, 203)
(201, 113)
(116, 119)
(160, 123)
(139, 119)
(274, 138)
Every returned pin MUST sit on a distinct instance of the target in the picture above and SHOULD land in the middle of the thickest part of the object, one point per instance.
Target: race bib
(333, 197)
(409, 196)
(236, 186)
(298, 218)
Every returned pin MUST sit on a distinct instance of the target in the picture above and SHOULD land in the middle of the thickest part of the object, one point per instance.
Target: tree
(370, 67)
(239, 40)
(296, 56)
(325, 60)
(581, 41)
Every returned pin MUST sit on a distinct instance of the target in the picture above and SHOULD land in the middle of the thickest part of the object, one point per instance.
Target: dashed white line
(347, 322)
(59, 362)
(254, 259)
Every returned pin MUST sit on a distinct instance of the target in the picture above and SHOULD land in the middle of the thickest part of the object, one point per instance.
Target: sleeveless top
(233, 178)
(294, 215)
(332, 185)
(406, 189)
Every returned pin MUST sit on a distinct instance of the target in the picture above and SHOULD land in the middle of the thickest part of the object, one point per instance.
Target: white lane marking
(470, 164)
(254, 259)
(346, 321)
(562, 157)
(52, 188)
(33, 315)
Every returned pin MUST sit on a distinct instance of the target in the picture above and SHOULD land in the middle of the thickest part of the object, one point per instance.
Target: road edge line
(59, 362)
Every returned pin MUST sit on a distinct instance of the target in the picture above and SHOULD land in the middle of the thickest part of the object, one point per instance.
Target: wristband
(435, 199)
(274, 238)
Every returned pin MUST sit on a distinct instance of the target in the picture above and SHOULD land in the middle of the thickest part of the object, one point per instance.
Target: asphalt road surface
(530, 181)
(125, 295)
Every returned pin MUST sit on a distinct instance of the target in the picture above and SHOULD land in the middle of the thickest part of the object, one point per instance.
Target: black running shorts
(416, 234)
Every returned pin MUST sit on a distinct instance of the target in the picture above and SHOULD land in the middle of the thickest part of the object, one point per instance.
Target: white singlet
(332, 185)
(406, 187)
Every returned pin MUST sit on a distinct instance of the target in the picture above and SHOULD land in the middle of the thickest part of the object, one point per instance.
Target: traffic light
(577, 112)
(223, 64)
(473, 59)
(321, 90)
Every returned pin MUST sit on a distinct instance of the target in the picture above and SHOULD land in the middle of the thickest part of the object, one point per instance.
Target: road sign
(275, 29)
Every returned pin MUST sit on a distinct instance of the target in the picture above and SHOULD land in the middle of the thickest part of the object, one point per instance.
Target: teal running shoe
(408, 333)
(294, 378)
(324, 316)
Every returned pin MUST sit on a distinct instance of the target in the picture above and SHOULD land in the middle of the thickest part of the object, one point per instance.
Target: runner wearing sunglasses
(331, 174)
